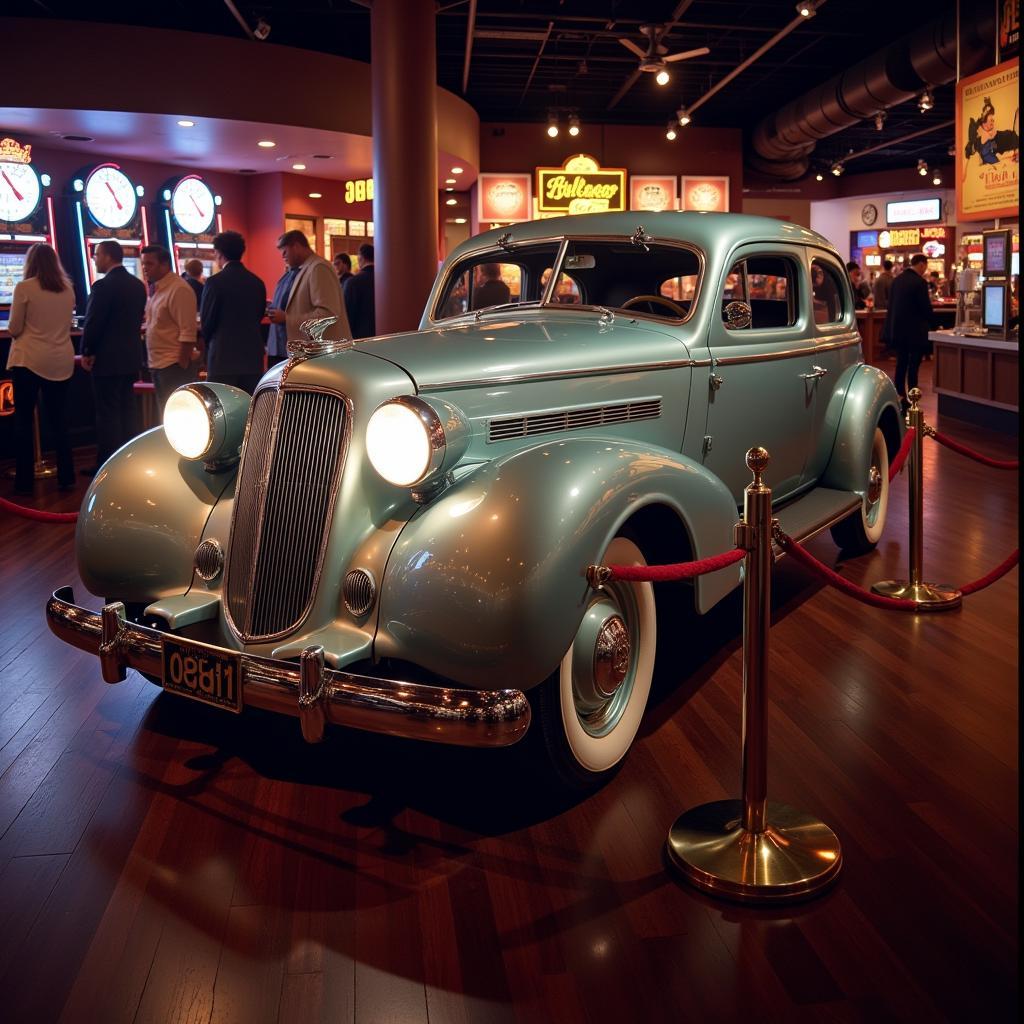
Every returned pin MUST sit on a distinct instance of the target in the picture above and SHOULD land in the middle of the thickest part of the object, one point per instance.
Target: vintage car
(394, 534)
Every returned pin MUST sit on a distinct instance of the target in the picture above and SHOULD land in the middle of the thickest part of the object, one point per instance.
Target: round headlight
(207, 421)
(187, 424)
(405, 441)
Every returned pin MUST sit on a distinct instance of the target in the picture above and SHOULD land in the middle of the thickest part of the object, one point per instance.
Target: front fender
(487, 584)
(866, 400)
(142, 519)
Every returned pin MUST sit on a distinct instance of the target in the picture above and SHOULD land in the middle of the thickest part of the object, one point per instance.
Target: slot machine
(26, 216)
(190, 216)
(105, 205)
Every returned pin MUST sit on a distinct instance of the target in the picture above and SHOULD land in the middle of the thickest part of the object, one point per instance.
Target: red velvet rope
(38, 515)
(806, 559)
(679, 571)
(997, 573)
(901, 456)
(962, 449)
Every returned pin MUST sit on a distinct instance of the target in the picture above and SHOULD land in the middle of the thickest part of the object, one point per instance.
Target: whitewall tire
(861, 531)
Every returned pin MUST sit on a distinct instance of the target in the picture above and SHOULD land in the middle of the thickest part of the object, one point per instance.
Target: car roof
(709, 231)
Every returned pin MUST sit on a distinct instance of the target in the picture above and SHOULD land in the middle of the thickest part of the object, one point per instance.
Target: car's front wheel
(861, 531)
(590, 708)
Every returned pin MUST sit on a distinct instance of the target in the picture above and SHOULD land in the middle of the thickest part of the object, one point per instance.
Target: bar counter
(977, 380)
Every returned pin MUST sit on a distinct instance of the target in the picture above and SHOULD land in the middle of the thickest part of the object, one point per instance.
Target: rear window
(827, 292)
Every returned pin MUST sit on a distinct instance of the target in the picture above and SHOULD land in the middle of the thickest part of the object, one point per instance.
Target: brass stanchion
(41, 469)
(929, 597)
(750, 849)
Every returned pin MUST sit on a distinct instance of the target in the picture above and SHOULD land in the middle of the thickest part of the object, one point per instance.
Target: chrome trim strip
(441, 714)
(791, 353)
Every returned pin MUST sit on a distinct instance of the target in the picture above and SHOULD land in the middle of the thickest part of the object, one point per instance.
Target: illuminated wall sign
(506, 198)
(867, 239)
(707, 194)
(581, 186)
(914, 211)
(652, 192)
(359, 190)
(900, 238)
(14, 152)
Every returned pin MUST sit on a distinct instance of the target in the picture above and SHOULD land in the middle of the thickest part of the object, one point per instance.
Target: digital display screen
(914, 211)
(1015, 264)
(996, 247)
(995, 305)
(12, 267)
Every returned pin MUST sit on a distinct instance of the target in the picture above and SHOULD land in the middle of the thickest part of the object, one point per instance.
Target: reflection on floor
(162, 862)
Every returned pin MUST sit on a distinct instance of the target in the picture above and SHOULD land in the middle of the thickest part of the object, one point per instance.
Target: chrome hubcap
(611, 656)
(874, 485)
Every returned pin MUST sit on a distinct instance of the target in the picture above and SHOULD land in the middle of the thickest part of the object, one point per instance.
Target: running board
(815, 511)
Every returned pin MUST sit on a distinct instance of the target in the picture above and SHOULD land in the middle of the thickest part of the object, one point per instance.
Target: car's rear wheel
(861, 531)
(590, 708)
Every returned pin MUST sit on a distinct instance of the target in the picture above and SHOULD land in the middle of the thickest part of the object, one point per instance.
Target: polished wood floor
(161, 863)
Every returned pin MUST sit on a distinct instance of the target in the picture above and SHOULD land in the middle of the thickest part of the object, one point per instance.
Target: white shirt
(170, 320)
(40, 325)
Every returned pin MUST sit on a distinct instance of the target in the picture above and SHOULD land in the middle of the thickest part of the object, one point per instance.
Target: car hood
(505, 349)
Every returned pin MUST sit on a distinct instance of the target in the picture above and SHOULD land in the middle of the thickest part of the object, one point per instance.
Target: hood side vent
(532, 424)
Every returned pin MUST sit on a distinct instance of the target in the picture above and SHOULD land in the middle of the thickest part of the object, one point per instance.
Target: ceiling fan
(656, 57)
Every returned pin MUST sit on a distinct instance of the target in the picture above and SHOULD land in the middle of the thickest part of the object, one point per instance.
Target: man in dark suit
(359, 301)
(112, 348)
(908, 322)
(234, 301)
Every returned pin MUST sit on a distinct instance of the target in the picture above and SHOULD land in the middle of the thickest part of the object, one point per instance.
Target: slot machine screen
(12, 268)
(134, 266)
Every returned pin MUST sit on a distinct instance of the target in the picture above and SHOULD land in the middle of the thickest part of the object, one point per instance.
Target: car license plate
(203, 673)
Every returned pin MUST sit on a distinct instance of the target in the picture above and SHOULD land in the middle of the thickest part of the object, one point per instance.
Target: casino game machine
(26, 216)
(189, 217)
(105, 205)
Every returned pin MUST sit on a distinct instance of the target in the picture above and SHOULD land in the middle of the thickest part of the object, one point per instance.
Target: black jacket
(234, 302)
(359, 304)
(113, 324)
(910, 315)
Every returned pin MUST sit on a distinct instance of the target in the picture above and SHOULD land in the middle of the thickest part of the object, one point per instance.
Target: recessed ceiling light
(449, 181)
(456, 170)
(266, 144)
(451, 202)
(460, 220)
(316, 195)
(185, 123)
(449, 189)
(298, 167)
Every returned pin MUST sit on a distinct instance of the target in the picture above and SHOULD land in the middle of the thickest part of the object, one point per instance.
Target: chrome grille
(209, 560)
(283, 506)
(573, 419)
(358, 591)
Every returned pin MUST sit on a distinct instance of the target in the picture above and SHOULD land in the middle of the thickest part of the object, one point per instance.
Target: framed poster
(504, 198)
(988, 143)
(707, 193)
(652, 192)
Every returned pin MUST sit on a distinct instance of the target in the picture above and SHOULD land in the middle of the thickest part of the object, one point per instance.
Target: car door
(761, 390)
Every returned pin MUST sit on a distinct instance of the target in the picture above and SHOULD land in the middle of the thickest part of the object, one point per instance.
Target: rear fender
(487, 584)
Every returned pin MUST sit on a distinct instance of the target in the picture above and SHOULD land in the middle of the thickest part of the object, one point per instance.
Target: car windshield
(497, 279)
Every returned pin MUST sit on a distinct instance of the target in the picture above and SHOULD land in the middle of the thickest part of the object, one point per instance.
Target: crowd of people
(227, 310)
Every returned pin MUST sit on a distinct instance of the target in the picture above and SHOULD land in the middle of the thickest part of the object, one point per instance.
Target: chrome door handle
(816, 372)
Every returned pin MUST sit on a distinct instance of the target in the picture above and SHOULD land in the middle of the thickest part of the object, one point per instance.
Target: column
(403, 75)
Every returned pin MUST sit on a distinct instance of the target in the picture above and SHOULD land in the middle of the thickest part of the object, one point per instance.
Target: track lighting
(926, 101)
(662, 77)
(922, 168)
(937, 180)
(262, 29)
(683, 116)
(838, 168)
(880, 120)
(670, 131)
(805, 9)
(574, 125)
(553, 125)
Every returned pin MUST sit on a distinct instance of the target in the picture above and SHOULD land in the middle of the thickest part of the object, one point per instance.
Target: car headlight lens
(410, 441)
(207, 421)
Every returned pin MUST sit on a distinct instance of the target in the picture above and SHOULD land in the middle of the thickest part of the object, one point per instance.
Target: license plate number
(203, 674)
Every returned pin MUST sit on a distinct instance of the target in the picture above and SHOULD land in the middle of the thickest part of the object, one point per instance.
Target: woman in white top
(42, 359)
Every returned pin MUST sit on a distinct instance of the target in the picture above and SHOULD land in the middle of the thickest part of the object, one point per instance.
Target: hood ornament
(313, 342)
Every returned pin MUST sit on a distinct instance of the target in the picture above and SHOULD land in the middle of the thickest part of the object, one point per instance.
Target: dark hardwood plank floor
(164, 862)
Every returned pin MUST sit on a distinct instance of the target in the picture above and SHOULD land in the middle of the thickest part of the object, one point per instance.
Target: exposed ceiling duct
(784, 141)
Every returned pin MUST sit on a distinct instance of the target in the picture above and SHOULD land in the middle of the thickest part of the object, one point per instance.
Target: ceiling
(528, 56)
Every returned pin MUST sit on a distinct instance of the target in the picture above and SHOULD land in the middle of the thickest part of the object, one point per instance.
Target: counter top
(977, 341)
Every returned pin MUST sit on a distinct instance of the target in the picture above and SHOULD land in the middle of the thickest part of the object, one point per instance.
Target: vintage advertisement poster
(580, 185)
(1009, 28)
(652, 192)
(504, 198)
(710, 194)
(988, 143)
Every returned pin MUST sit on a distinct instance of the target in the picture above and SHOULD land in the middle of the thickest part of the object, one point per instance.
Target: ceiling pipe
(533, 70)
(241, 21)
(470, 29)
(783, 141)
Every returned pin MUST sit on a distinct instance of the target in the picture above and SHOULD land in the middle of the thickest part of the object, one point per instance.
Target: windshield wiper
(477, 313)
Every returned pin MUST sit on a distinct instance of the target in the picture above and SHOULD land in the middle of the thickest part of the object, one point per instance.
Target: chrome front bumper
(308, 690)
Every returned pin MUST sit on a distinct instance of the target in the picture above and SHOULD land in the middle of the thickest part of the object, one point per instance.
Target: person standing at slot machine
(230, 314)
(112, 349)
(170, 325)
(41, 359)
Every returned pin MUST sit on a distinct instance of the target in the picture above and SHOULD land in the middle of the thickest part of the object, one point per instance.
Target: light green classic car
(394, 534)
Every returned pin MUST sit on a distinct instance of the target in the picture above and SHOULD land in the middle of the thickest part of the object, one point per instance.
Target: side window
(679, 289)
(826, 293)
(768, 285)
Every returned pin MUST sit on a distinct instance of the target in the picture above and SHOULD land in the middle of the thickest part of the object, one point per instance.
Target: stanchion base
(929, 597)
(41, 471)
(796, 855)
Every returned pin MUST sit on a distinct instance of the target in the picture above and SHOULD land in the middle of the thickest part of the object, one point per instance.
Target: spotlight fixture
(951, 151)
(819, 176)
(880, 120)
(937, 179)
(266, 144)
(922, 168)
(262, 29)
(662, 77)
(805, 9)
(683, 116)
(552, 126)
(670, 131)
(925, 101)
(185, 123)
(574, 125)
(838, 168)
